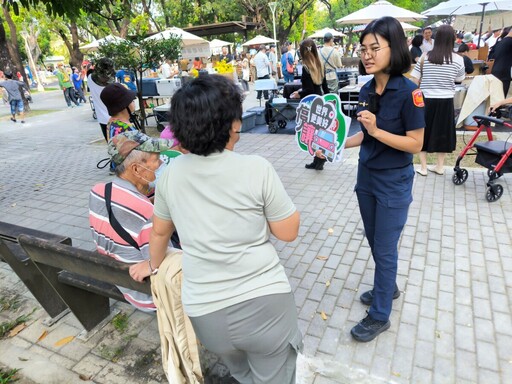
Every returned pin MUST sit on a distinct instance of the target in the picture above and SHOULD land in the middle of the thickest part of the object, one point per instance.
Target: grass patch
(112, 354)
(46, 89)
(9, 303)
(6, 326)
(451, 158)
(120, 322)
(145, 361)
(8, 376)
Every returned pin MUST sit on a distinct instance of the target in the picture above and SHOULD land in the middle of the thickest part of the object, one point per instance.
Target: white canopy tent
(406, 27)
(379, 9)
(216, 45)
(96, 44)
(321, 33)
(192, 45)
(258, 40)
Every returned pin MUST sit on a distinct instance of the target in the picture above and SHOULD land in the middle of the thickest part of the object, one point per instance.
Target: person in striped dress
(436, 72)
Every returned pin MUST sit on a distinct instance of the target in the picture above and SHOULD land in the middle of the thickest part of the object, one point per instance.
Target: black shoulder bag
(113, 221)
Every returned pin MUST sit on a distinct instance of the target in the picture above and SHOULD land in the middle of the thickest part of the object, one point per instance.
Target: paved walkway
(452, 323)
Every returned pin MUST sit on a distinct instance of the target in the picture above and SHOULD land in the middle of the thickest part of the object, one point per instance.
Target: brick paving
(451, 324)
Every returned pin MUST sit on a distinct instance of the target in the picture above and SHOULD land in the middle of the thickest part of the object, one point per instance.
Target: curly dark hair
(203, 111)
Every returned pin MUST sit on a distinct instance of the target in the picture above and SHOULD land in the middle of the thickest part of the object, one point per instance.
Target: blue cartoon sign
(322, 126)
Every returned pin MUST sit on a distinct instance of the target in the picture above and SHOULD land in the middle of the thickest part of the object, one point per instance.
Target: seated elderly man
(120, 213)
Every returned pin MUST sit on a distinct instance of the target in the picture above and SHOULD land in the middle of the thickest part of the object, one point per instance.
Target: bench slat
(82, 262)
(91, 285)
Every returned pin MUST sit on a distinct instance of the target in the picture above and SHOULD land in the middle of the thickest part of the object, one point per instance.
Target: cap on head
(117, 97)
(328, 37)
(468, 37)
(120, 146)
(60, 65)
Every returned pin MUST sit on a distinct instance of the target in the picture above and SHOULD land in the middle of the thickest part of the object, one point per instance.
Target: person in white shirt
(262, 65)
(166, 70)
(272, 57)
(428, 41)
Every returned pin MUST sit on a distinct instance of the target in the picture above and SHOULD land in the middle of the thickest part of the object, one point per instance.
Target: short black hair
(426, 28)
(203, 111)
(391, 30)
(8, 75)
(417, 41)
(463, 48)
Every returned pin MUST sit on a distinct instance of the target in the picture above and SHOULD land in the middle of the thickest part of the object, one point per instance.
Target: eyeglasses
(370, 51)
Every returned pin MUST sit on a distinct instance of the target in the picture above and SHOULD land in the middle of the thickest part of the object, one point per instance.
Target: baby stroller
(492, 154)
(280, 110)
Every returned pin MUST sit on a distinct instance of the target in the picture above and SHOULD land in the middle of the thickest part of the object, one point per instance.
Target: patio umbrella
(96, 44)
(377, 10)
(466, 7)
(409, 27)
(258, 40)
(321, 32)
(216, 43)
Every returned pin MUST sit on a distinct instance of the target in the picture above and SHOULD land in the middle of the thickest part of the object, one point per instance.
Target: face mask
(158, 172)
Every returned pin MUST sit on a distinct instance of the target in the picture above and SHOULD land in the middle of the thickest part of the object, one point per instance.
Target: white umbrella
(321, 32)
(406, 27)
(377, 10)
(96, 44)
(466, 7)
(409, 27)
(258, 40)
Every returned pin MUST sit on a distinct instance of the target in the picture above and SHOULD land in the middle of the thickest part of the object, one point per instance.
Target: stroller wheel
(281, 124)
(460, 176)
(272, 128)
(494, 192)
(493, 175)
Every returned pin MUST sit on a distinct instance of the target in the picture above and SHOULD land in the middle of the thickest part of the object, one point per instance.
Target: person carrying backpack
(287, 65)
(331, 61)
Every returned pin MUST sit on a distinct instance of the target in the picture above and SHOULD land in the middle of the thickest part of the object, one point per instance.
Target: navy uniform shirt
(399, 109)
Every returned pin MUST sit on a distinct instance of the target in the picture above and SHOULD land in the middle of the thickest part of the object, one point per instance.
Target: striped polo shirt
(134, 212)
(438, 81)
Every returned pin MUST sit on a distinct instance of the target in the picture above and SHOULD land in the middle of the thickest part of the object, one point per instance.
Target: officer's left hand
(369, 121)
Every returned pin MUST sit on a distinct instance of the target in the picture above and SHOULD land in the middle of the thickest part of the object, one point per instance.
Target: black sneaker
(367, 297)
(368, 329)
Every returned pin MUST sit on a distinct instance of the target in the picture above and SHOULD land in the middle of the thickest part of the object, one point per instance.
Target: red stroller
(492, 154)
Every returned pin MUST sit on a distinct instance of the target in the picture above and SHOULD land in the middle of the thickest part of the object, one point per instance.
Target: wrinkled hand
(369, 121)
(295, 95)
(140, 271)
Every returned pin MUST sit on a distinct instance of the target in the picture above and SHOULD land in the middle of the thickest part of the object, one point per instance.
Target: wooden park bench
(73, 278)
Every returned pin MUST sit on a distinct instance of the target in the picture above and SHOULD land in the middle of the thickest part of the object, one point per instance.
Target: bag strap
(113, 221)
(327, 59)
(422, 61)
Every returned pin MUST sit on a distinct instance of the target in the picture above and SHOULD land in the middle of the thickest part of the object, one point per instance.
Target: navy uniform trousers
(384, 197)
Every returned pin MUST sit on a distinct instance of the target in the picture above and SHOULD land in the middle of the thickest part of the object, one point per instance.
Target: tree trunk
(166, 14)
(75, 56)
(6, 63)
(12, 46)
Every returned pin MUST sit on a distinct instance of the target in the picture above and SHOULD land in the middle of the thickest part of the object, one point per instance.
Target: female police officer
(392, 121)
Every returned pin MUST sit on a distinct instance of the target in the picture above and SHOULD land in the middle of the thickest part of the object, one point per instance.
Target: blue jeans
(16, 104)
(384, 197)
(288, 77)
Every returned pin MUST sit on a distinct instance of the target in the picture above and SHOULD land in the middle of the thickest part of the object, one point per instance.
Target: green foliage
(8, 376)
(6, 326)
(141, 54)
(120, 322)
(70, 8)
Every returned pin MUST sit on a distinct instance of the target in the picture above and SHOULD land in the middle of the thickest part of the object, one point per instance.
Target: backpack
(289, 67)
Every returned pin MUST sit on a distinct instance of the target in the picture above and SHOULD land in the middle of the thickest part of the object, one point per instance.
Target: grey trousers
(257, 339)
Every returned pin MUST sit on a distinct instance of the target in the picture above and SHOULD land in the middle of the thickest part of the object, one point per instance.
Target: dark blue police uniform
(384, 181)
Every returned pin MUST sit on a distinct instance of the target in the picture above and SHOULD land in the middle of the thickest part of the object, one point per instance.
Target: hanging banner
(492, 22)
(321, 126)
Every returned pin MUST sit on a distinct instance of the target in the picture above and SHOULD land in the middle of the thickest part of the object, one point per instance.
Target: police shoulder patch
(417, 98)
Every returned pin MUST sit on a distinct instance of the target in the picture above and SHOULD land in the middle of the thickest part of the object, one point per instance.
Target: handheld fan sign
(322, 126)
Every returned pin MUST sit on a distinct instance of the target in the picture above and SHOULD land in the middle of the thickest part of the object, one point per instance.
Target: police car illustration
(326, 142)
